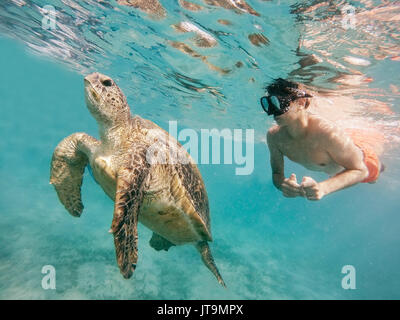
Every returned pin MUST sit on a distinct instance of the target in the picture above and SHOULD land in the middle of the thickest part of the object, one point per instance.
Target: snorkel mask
(278, 105)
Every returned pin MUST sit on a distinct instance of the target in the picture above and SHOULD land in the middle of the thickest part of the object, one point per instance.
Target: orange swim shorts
(371, 159)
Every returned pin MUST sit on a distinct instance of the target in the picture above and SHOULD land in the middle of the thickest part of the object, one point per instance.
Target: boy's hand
(290, 188)
(311, 189)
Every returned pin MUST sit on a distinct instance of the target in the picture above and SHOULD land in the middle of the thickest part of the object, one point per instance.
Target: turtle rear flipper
(159, 243)
(206, 256)
(67, 167)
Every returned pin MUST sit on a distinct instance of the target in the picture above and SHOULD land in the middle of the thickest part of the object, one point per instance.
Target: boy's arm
(346, 154)
(289, 187)
(276, 161)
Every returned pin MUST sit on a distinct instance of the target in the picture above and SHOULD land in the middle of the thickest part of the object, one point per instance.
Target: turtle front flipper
(128, 198)
(67, 167)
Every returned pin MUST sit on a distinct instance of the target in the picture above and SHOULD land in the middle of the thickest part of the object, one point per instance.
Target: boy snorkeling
(314, 143)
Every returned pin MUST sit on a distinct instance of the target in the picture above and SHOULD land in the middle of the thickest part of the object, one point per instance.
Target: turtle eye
(107, 83)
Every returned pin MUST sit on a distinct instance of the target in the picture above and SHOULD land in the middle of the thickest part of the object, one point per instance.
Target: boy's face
(295, 109)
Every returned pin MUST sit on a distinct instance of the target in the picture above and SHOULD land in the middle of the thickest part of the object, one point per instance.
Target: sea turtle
(168, 197)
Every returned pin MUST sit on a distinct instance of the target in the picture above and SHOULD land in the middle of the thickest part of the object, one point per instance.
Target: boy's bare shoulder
(322, 126)
(327, 131)
(275, 129)
(273, 132)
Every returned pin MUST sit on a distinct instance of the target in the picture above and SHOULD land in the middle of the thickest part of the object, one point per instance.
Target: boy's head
(280, 94)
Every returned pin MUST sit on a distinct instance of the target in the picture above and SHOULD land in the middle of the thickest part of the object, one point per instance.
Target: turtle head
(105, 100)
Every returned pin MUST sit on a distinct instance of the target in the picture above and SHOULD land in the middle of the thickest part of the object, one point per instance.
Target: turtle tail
(206, 256)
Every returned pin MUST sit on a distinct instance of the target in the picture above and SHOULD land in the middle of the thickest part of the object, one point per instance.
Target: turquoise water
(266, 246)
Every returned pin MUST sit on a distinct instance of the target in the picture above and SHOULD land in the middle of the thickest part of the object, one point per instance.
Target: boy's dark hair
(286, 91)
(281, 87)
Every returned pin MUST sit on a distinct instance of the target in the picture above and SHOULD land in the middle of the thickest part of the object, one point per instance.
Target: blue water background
(266, 246)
